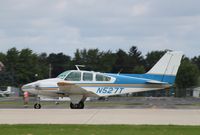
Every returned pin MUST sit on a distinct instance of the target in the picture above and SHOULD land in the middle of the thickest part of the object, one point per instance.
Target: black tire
(72, 106)
(37, 106)
(81, 105)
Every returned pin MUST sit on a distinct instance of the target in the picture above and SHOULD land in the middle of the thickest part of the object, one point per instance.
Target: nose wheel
(80, 105)
(37, 105)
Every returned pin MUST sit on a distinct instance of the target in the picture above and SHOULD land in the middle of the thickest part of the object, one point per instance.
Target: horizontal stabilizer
(156, 82)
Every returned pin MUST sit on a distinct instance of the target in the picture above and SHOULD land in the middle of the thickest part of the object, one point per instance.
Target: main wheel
(37, 106)
(80, 105)
(72, 106)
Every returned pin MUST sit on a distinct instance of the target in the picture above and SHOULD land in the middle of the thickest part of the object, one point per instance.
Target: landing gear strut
(37, 105)
(80, 105)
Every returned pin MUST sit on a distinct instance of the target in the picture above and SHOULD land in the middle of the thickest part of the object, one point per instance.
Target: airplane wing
(73, 89)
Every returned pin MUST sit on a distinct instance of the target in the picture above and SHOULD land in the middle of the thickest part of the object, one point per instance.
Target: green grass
(98, 130)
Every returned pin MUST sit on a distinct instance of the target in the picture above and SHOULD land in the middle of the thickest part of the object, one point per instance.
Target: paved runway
(100, 116)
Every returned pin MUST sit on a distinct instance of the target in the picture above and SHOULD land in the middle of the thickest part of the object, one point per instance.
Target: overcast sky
(65, 25)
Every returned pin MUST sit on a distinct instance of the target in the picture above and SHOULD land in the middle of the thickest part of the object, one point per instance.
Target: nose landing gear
(37, 105)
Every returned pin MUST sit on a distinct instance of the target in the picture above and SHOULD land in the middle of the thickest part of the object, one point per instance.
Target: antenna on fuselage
(120, 71)
(77, 66)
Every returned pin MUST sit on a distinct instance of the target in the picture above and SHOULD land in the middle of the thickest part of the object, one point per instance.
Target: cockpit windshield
(73, 76)
(63, 75)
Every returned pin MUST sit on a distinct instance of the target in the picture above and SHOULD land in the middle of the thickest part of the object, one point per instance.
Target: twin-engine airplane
(79, 84)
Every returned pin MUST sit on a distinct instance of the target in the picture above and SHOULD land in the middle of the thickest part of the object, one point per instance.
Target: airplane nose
(31, 86)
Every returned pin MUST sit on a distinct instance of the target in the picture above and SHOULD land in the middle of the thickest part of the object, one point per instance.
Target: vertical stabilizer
(167, 66)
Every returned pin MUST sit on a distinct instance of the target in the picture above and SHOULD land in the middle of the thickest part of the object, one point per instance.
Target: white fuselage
(49, 87)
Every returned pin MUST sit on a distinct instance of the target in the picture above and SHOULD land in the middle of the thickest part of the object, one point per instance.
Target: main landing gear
(80, 105)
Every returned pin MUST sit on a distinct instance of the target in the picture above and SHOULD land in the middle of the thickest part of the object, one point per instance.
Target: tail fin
(167, 66)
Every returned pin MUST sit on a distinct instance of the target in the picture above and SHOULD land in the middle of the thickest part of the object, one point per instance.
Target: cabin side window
(87, 76)
(102, 78)
(73, 76)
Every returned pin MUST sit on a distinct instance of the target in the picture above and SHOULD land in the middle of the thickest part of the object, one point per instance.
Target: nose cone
(30, 86)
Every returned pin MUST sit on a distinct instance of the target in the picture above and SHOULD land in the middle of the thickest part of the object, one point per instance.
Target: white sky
(65, 25)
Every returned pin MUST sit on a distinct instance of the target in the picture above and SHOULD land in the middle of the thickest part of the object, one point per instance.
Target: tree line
(24, 66)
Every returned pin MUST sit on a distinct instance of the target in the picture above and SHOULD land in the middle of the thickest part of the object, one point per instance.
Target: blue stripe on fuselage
(123, 79)
(140, 78)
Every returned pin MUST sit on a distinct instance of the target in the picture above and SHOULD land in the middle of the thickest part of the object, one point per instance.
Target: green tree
(121, 63)
(135, 60)
(2, 60)
(139, 70)
(28, 67)
(91, 58)
(5, 78)
(94, 59)
(12, 58)
(77, 60)
(2, 57)
(196, 60)
(135, 56)
(187, 76)
(44, 66)
(60, 62)
(107, 60)
(21, 67)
